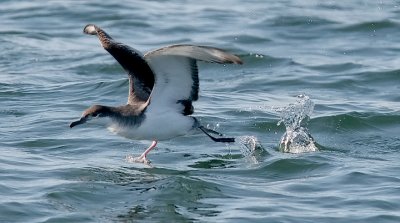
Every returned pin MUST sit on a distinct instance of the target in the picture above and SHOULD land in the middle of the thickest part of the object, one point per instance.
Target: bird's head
(92, 112)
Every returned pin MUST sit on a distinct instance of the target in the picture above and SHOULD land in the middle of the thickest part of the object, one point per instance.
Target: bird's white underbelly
(156, 127)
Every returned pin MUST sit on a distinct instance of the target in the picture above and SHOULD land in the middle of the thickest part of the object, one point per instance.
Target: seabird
(162, 86)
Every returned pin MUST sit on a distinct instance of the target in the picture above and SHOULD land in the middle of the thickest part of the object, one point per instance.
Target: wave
(336, 68)
(370, 26)
(284, 21)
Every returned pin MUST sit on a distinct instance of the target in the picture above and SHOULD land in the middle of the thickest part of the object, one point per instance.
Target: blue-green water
(343, 55)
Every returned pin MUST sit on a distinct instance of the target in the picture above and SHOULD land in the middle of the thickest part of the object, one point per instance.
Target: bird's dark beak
(80, 121)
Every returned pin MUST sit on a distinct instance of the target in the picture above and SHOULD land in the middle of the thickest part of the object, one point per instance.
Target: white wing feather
(176, 74)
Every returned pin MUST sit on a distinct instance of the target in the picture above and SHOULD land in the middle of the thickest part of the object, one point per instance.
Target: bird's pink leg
(153, 144)
(142, 158)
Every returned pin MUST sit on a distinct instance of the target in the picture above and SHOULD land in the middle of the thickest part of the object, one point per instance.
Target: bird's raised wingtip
(224, 57)
(90, 29)
(203, 53)
(236, 60)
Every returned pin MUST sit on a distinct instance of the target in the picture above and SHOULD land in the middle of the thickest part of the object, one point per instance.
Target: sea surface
(342, 56)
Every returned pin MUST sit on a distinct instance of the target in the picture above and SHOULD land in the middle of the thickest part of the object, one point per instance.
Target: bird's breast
(161, 126)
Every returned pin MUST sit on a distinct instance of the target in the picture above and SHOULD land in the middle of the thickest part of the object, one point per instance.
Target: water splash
(295, 117)
(251, 148)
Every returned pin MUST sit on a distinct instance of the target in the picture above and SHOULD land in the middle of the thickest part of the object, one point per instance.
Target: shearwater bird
(162, 86)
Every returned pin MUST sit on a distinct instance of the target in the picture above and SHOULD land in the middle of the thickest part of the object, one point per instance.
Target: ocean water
(343, 55)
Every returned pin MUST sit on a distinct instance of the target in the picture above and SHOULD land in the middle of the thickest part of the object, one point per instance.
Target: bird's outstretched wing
(141, 77)
(176, 74)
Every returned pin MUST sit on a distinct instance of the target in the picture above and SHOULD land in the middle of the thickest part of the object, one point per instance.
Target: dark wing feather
(141, 77)
(194, 95)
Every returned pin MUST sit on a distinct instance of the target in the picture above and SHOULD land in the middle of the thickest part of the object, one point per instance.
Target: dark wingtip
(90, 29)
(104, 38)
(238, 61)
(230, 58)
